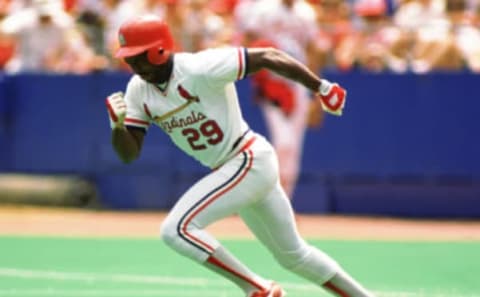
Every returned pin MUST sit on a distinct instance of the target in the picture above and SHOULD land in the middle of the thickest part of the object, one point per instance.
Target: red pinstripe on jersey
(240, 63)
(248, 144)
(135, 121)
(147, 110)
(111, 112)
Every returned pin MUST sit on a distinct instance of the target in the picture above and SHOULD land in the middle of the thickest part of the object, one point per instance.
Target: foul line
(95, 277)
(93, 293)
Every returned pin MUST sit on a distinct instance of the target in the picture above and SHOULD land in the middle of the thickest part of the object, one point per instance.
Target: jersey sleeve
(137, 114)
(220, 66)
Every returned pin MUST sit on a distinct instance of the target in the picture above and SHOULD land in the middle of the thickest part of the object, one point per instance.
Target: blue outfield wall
(5, 117)
(406, 145)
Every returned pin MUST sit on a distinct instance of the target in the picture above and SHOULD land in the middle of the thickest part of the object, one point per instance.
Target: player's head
(146, 34)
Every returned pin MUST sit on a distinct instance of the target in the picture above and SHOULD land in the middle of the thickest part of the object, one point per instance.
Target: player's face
(148, 72)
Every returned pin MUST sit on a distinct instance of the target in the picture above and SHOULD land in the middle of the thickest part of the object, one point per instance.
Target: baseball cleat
(274, 291)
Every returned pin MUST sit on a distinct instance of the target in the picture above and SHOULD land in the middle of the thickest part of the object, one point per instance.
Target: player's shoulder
(200, 56)
(136, 87)
(136, 82)
(198, 62)
(185, 61)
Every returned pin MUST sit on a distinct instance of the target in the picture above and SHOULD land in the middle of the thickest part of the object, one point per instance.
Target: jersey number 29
(208, 132)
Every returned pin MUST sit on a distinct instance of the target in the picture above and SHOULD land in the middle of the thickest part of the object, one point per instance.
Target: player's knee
(168, 231)
(309, 260)
(291, 259)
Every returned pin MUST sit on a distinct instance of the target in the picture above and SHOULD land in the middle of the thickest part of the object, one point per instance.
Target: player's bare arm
(127, 141)
(331, 95)
(283, 64)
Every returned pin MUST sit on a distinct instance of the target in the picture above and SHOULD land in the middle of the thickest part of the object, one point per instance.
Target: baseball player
(290, 26)
(192, 98)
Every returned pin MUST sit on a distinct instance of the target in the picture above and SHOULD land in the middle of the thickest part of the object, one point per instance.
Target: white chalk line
(96, 277)
(100, 293)
(189, 285)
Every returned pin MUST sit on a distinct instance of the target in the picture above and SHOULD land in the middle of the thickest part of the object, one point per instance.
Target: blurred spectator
(367, 44)
(370, 35)
(46, 38)
(112, 13)
(242, 20)
(229, 33)
(373, 40)
(175, 14)
(77, 55)
(202, 25)
(335, 33)
(40, 33)
(69, 5)
(413, 14)
(7, 45)
(465, 33)
(381, 46)
(93, 27)
(425, 27)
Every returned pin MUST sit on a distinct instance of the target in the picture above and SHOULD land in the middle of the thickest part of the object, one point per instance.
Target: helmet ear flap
(157, 55)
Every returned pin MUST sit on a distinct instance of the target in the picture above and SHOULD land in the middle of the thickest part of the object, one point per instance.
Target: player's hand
(117, 109)
(332, 97)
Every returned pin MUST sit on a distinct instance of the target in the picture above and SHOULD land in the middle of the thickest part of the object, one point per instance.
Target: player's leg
(220, 194)
(272, 221)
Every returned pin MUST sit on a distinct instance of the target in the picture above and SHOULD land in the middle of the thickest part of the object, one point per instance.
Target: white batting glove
(117, 109)
(332, 97)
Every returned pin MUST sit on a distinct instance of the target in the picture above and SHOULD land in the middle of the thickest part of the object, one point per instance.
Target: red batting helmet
(145, 34)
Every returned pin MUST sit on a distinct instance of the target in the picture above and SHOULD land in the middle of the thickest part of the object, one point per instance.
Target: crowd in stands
(78, 36)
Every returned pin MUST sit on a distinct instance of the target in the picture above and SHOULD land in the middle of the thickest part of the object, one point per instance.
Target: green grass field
(83, 267)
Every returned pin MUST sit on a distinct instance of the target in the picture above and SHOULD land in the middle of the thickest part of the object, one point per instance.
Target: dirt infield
(26, 220)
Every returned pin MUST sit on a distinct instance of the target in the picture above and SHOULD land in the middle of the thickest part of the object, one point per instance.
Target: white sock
(344, 285)
(227, 265)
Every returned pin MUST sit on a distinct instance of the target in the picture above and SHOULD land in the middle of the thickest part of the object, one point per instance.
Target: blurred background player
(289, 25)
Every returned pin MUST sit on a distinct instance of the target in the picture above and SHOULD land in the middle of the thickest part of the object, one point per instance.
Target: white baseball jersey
(211, 128)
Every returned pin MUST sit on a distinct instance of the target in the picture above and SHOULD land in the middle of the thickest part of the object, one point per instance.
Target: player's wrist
(325, 87)
(332, 97)
(116, 125)
(116, 110)
(116, 121)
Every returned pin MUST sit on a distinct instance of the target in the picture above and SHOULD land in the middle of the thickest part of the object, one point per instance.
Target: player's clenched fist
(117, 109)
(332, 97)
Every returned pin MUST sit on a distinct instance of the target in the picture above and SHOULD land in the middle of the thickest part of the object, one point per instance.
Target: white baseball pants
(247, 185)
